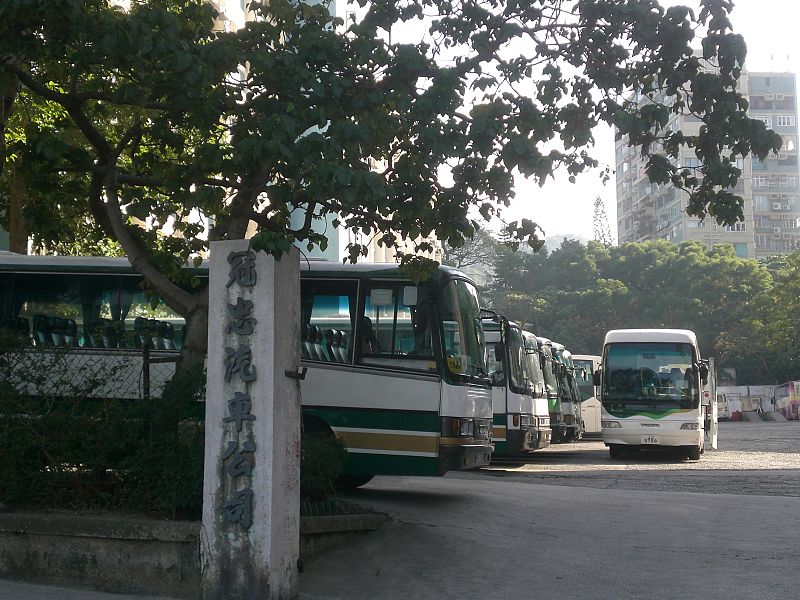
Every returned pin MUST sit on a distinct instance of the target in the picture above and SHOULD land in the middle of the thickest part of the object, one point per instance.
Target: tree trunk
(18, 227)
(195, 341)
(9, 88)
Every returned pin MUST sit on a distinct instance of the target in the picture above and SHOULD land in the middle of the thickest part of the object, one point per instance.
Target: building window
(760, 181)
(741, 249)
(738, 226)
(761, 202)
(692, 163)
(786, 121)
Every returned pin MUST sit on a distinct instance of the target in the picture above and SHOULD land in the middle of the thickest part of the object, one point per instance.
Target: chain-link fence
(90, 373)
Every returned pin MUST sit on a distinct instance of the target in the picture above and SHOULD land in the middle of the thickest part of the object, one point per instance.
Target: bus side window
(392, 333)
(327, 315)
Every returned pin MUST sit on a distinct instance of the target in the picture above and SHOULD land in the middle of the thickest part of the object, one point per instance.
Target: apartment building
(770, 190)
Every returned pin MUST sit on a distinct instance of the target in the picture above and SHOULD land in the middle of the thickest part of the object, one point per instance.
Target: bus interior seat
(167, 331)
(305, 352)
(93, 334)
(109, 334)
(148, 332)
(338, 348)
(319, 344)
(313, 345)
(344, 347)
(41, 331)
(70, 333)
(328, 352)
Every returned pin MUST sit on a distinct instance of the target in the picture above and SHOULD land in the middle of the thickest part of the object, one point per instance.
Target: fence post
(145, 371)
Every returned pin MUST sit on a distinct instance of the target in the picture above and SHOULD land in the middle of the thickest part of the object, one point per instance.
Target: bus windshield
(653, 374)
(517, 367)
(549, 377)
(463, 333)
(534, 368)
(585, 384)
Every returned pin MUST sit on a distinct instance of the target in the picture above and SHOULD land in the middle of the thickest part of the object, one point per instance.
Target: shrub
(321, 464)
(84, 452)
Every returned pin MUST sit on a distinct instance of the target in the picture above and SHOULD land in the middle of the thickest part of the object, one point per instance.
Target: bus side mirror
(596, 377)
(704, 373)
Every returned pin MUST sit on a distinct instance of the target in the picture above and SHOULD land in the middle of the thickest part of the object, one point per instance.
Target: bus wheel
(615, 450)
(694, 453)
(351, 482)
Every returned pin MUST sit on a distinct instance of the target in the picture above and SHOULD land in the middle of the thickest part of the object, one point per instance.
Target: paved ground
(572, 523)
(752, 458)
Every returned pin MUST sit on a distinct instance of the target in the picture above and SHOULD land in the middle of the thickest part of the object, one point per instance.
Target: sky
(771, 29)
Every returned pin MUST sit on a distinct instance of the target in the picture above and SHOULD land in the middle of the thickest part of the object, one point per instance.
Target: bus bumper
(461, 457)
(543, 437)
(520, 440)
(667, 439)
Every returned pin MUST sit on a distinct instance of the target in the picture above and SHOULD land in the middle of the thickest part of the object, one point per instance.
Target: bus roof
(9, 261)
(592, 357)
(685, 336)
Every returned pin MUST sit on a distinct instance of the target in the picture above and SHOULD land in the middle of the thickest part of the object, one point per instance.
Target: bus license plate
(650, 439)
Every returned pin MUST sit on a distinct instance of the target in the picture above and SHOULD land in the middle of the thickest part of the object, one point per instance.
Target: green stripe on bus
(386, 464)
(500, 448)
(366, 418)
(650, 414)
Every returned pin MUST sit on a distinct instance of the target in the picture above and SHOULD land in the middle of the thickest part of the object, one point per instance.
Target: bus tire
(351, 482)
(693, 453)
(615, 451)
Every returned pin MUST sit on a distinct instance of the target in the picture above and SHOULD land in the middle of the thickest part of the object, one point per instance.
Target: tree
(602, 230)
(166, 121)
(479, 251)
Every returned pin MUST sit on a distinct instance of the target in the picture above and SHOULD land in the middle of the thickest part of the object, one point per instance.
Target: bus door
(714, 421)
(713, 408)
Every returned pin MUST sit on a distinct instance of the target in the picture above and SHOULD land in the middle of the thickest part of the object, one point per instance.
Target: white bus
(513, 429)
(541, 411)
(590, 403)
(395, 370)
(521, 419)
(568, 393)
(656, 391)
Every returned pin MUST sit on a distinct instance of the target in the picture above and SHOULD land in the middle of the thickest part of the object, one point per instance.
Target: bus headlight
(610, 424)
(691, 426)
(457, 427)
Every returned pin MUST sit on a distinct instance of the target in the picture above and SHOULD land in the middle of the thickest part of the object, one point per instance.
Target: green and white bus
(517, 384)
(568, 393)
(549, 370)
(396, 370)
(541, 411)
(573, 375)
(656, 391)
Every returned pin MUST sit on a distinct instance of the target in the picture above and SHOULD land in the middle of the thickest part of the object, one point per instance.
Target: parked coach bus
(521, 418)
(590, 404)
(656, 391)
(549, 369)
(568, 393)
(513, 429)
(396, 370)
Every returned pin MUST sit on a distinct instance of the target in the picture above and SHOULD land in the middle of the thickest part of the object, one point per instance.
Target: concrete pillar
(251, 493)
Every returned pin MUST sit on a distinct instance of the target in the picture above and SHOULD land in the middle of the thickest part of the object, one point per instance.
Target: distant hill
(554, 241)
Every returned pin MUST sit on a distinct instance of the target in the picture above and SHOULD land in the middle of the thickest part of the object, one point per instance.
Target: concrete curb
(134, 555)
